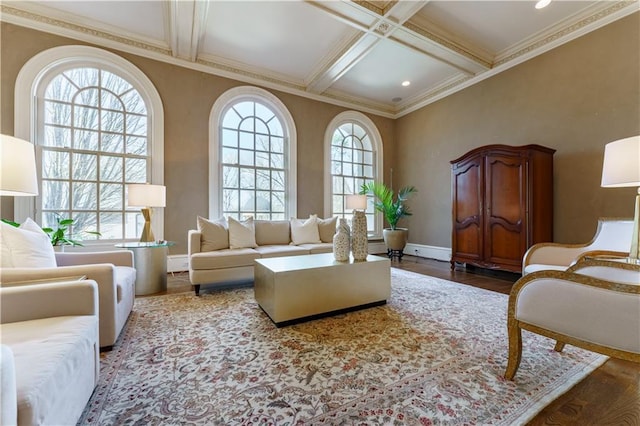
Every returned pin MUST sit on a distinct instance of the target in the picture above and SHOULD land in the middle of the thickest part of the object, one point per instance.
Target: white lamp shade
(356, 202)
(621, 165)
(146, 195)
(17, 167)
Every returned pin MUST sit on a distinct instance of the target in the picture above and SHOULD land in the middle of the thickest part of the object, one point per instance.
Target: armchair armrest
(29, 302)
(553, 254)
(116, 257)
(599, 253)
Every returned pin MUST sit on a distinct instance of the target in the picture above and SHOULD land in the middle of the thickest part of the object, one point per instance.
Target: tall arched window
(94, 134)
(252, 143)
(354, 157)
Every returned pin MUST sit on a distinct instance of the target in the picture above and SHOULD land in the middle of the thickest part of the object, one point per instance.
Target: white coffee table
(290, 289)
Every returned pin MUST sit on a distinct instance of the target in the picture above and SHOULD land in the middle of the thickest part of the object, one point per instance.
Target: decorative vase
(359, 242)
(341, 241)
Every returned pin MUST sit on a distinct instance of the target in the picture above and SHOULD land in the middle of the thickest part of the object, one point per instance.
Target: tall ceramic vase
(341, 241)
(359, 242)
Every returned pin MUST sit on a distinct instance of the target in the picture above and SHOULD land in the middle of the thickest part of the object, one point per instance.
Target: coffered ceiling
(350, 53)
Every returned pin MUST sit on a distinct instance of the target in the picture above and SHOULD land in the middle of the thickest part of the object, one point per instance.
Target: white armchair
(49, 357)
(613, 237)
(594, 305)
(112, 270)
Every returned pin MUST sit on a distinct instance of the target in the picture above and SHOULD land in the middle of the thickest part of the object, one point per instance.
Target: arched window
(96, 131)
(354, 157)
(252, 144)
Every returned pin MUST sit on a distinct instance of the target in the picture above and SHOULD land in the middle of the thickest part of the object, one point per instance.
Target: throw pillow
(215, 234)
(305, 232)
(26, 247)
(327, 229)
(242, 234)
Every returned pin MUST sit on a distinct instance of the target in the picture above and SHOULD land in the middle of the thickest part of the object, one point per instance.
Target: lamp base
(147, 232)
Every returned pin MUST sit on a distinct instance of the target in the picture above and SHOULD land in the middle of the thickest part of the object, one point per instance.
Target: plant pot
(395, 239)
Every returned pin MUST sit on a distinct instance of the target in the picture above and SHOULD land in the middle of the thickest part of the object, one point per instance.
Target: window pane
(55, 195)
(261, 127)
(111, 226)
(133, 102)
(85, 196)
(132, 225)
(136, 145)
(60, 88)
(135, 170)
(230, 200)
(231, 119)
(111, 101)
(277, 181)
(84, 223)
(247, 201)
(277, 202)
(246, 157)
(55, 164)
(247, 179)
(85, 167)
(244, 109)
(112, 142)
(86, 140)
(111, 168)
(263, 201)
(85, 118)
(111, 196)
(275, 127)
(277, 145)
(87, 97)
(230, 177)
(262, 159)
(114, 83)
(83, 77)
(230, 156)
(57, 113)
(112, 121)
(246, 140)
(56, 136)
(263, 180)
(229, 137)
(247, 124)
(262, 143)
(277, 161)
(136, 124)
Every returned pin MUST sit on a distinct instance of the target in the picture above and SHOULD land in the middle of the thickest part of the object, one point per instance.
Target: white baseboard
(431, 252)
(177, 263)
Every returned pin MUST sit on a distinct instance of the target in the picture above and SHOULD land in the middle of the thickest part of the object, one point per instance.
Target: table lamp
(146, 196)
(621, 168)
(18, 175)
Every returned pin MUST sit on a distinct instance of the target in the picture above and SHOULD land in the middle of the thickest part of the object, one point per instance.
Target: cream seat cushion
(280, 250)
(48, 352)
(226, 258)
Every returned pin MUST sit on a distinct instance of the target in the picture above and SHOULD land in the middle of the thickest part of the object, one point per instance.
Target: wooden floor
(608, 396)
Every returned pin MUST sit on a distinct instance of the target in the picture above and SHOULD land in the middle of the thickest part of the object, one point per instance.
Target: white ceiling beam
(187, 26)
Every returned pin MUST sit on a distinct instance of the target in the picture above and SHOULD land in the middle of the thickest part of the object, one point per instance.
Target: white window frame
(376, 142)
(254, 94)
(35, 72)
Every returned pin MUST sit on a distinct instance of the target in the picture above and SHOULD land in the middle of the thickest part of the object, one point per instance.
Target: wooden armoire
(502, 199)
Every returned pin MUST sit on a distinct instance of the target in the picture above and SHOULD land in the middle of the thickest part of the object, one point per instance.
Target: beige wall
(575, 99)
(188, 97)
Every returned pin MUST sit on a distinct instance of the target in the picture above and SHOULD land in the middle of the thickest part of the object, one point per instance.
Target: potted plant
(58, 236)
(393, 209)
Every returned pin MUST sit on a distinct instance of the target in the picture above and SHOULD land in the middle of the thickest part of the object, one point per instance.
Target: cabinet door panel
(505, 195)
(467, 210)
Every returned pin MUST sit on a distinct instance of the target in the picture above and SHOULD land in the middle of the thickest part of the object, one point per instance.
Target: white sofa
(226, 264)
(112, 270)
(49, 361)
(594, 305)
(613, 237)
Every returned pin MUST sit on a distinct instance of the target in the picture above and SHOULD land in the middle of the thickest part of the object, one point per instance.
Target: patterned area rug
(435, 354)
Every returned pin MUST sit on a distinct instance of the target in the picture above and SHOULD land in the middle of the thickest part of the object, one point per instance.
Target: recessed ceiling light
(542, 3)
(406, 83)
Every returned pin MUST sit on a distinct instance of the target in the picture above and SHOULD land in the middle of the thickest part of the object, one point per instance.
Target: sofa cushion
(225, 258)
(55, 366)
(280, 250)
(318, 248)
(304, 232)
(215, 234)
(242, 233)
(327, 229)
(25, 247)
(271, 232)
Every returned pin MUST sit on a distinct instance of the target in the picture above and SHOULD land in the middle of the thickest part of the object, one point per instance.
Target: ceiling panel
(281, 36)
(380, 74)
(497, 25)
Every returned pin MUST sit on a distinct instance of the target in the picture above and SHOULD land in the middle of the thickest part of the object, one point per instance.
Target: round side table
(150, 261)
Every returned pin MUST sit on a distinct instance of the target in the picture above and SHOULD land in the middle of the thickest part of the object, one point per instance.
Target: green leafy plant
(392, 208)
(58, 236)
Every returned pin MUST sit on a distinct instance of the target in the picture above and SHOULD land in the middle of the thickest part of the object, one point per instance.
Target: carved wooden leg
(197, 289)
(515, 349)
(559, 346)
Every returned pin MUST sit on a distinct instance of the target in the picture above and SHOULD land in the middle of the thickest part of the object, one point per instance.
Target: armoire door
(467, 192)
(505, 210)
